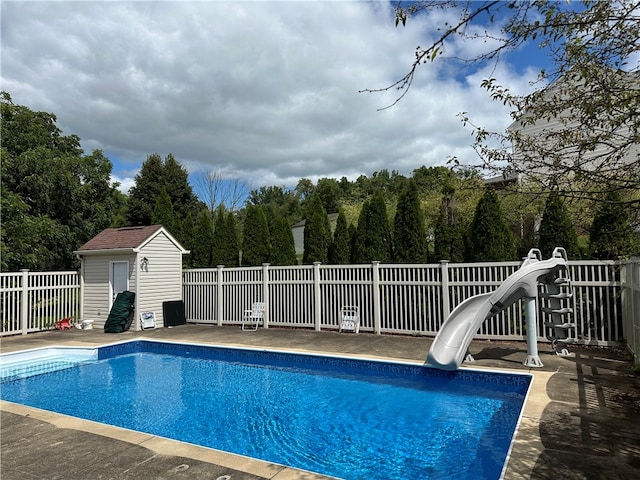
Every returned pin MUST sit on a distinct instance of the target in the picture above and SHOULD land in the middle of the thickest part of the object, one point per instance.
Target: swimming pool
(348, 418)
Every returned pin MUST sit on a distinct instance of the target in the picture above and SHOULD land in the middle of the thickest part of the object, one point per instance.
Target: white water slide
(450, 346)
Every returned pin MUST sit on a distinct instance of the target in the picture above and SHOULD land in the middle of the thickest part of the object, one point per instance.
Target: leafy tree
(329, 192)
(611, 235)
(594, 99)
(202, 247)
(45, 176)
(317, 233)
(283, 249)
(339, 250)
(556, 228)
(409, 234)
(280, 201)
(255, 246)
(449, 233)
(491, 240)
(373, 235)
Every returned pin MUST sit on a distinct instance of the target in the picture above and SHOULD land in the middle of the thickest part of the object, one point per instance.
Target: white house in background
(598, 159)
(145, 260)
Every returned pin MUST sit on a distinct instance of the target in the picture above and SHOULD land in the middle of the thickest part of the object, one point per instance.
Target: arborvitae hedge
(373, 235)
(317, 233)
(409, 233)
(556, 229)
(449, 234)
(283, 249)
(201, 251)
(256, 244)
(611, 235)
(339, 251)
(491, 240)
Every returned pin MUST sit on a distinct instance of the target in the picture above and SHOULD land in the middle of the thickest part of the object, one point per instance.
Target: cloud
(268, 91)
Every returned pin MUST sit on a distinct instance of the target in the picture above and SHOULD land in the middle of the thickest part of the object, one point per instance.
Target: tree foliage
(373, 235)
(610, 236)
(153, 176)
(449, 231)
(51, 192)
(283, 249)
(225, 239)
(340, 251)
(317, 233)
(556, 229)
(490, 239)
(409, 234)
(256, 244)
(593, 147)
(202, 247)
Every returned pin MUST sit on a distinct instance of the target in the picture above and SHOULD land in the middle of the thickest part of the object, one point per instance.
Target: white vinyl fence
(393, 299)
(401, 299)
(34, 301)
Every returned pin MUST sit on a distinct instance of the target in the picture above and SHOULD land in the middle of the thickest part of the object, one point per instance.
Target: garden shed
(146, 260)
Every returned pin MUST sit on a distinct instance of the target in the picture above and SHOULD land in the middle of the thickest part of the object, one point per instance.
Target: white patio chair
(350, 319)
(253, 316)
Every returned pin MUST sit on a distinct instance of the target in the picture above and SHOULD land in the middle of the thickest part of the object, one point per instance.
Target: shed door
(118, 279)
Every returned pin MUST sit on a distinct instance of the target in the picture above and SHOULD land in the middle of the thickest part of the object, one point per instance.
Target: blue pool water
(354, 419)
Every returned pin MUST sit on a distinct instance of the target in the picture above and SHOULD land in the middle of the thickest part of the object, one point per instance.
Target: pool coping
(535, 402)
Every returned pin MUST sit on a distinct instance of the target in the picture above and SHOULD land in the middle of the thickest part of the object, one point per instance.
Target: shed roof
(126, 238)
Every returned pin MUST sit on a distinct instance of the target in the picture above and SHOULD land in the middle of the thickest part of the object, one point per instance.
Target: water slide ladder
(556, 307)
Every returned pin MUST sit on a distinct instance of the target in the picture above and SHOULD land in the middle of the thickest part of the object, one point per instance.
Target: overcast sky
(266, 91)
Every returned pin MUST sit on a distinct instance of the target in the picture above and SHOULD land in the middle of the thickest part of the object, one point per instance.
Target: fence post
(219, 298)
(375, 265)
(24, 301)
(265, 294)
(444, 294)
(80, 317)
(316, 295)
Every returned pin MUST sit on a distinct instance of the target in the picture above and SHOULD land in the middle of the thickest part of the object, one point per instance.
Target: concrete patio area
(581, 421)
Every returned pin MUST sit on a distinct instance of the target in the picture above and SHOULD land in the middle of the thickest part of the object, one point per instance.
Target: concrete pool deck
(581, 421)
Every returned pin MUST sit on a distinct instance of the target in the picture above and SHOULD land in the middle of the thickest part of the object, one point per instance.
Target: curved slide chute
(451, 344)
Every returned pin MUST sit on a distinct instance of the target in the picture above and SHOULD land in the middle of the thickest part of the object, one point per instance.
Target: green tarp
(121, 314)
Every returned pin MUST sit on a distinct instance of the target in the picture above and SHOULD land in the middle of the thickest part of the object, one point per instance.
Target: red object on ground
(62, 324)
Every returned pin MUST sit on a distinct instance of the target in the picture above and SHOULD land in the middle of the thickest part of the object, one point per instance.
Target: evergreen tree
(491, 240)
(317, 233)
(225, 239)
(611, 235)
(373, 234)
(409, 233)
(340, 249)
(186, 239)
(142, 195)
(449, 235)
(220, 237)
(255, 246)
(232, 252)
(163, 212)
(201, 250)
(155, 174)
(556, 228)
(283, 249)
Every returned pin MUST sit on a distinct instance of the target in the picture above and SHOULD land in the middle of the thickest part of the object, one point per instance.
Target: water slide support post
(532, 360)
